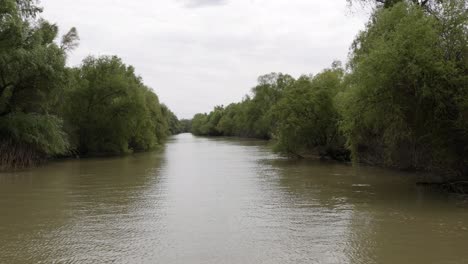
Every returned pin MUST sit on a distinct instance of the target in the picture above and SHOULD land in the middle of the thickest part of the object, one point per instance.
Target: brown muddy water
(205, 200)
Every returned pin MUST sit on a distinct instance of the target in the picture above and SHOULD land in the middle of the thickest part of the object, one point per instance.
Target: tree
(308, 118)
(111, 111)
(47, 109)
(198, 124)
(402, 106)
(32, 75)
(185, 125)
(230, 124)
(70, 40)
(174, 126)
(266, 94)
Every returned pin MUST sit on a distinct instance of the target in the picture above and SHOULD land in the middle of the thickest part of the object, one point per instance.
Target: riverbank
(17, 159)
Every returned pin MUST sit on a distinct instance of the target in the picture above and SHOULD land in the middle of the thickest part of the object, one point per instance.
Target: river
(219, 200)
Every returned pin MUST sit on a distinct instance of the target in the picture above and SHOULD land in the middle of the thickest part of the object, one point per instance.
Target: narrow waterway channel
(218, 200)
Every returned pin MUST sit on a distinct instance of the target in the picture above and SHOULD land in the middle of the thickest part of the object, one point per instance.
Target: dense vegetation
(48, 109)
(401, 101)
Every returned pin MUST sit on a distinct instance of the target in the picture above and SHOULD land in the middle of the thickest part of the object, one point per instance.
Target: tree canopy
(110, 110)
(403, 100)
(48, 109)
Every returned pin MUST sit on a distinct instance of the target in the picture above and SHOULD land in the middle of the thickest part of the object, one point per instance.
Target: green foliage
(32, 70)
(201, 125)
(150, 125)
(265, 95)
(299, 114)
(307, 116)
(402, 102)
(401, 107)
(234, 120)
(111, 111)
(185, 125)
(173, 124)
(197, 122)
(70, 40)
(106, 107)
(32, 74)
(42, 132)
(250, 118)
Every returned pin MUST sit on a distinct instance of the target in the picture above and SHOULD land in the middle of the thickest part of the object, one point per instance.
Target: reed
(19, 155)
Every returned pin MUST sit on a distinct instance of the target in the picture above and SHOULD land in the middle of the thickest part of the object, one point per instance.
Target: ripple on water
(221, 200)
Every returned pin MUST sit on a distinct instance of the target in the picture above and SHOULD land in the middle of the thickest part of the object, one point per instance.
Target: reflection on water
(224, 200)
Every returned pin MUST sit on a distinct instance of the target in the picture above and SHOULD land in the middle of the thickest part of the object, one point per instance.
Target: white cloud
(195, 58)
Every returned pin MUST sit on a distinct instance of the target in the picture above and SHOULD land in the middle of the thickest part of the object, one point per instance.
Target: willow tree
(110, 110)
(234, 119)
(406, 97)
(266, 94)
(173, 124)
(250, 118)
(199, 122)
(307, 118)
(32, 76)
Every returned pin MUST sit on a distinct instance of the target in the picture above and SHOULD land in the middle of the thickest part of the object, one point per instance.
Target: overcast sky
(200, 53)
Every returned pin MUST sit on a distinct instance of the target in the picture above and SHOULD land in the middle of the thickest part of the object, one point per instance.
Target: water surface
(221, 200)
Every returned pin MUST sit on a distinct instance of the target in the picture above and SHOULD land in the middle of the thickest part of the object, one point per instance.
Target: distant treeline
(400, 101)
(48, 109)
